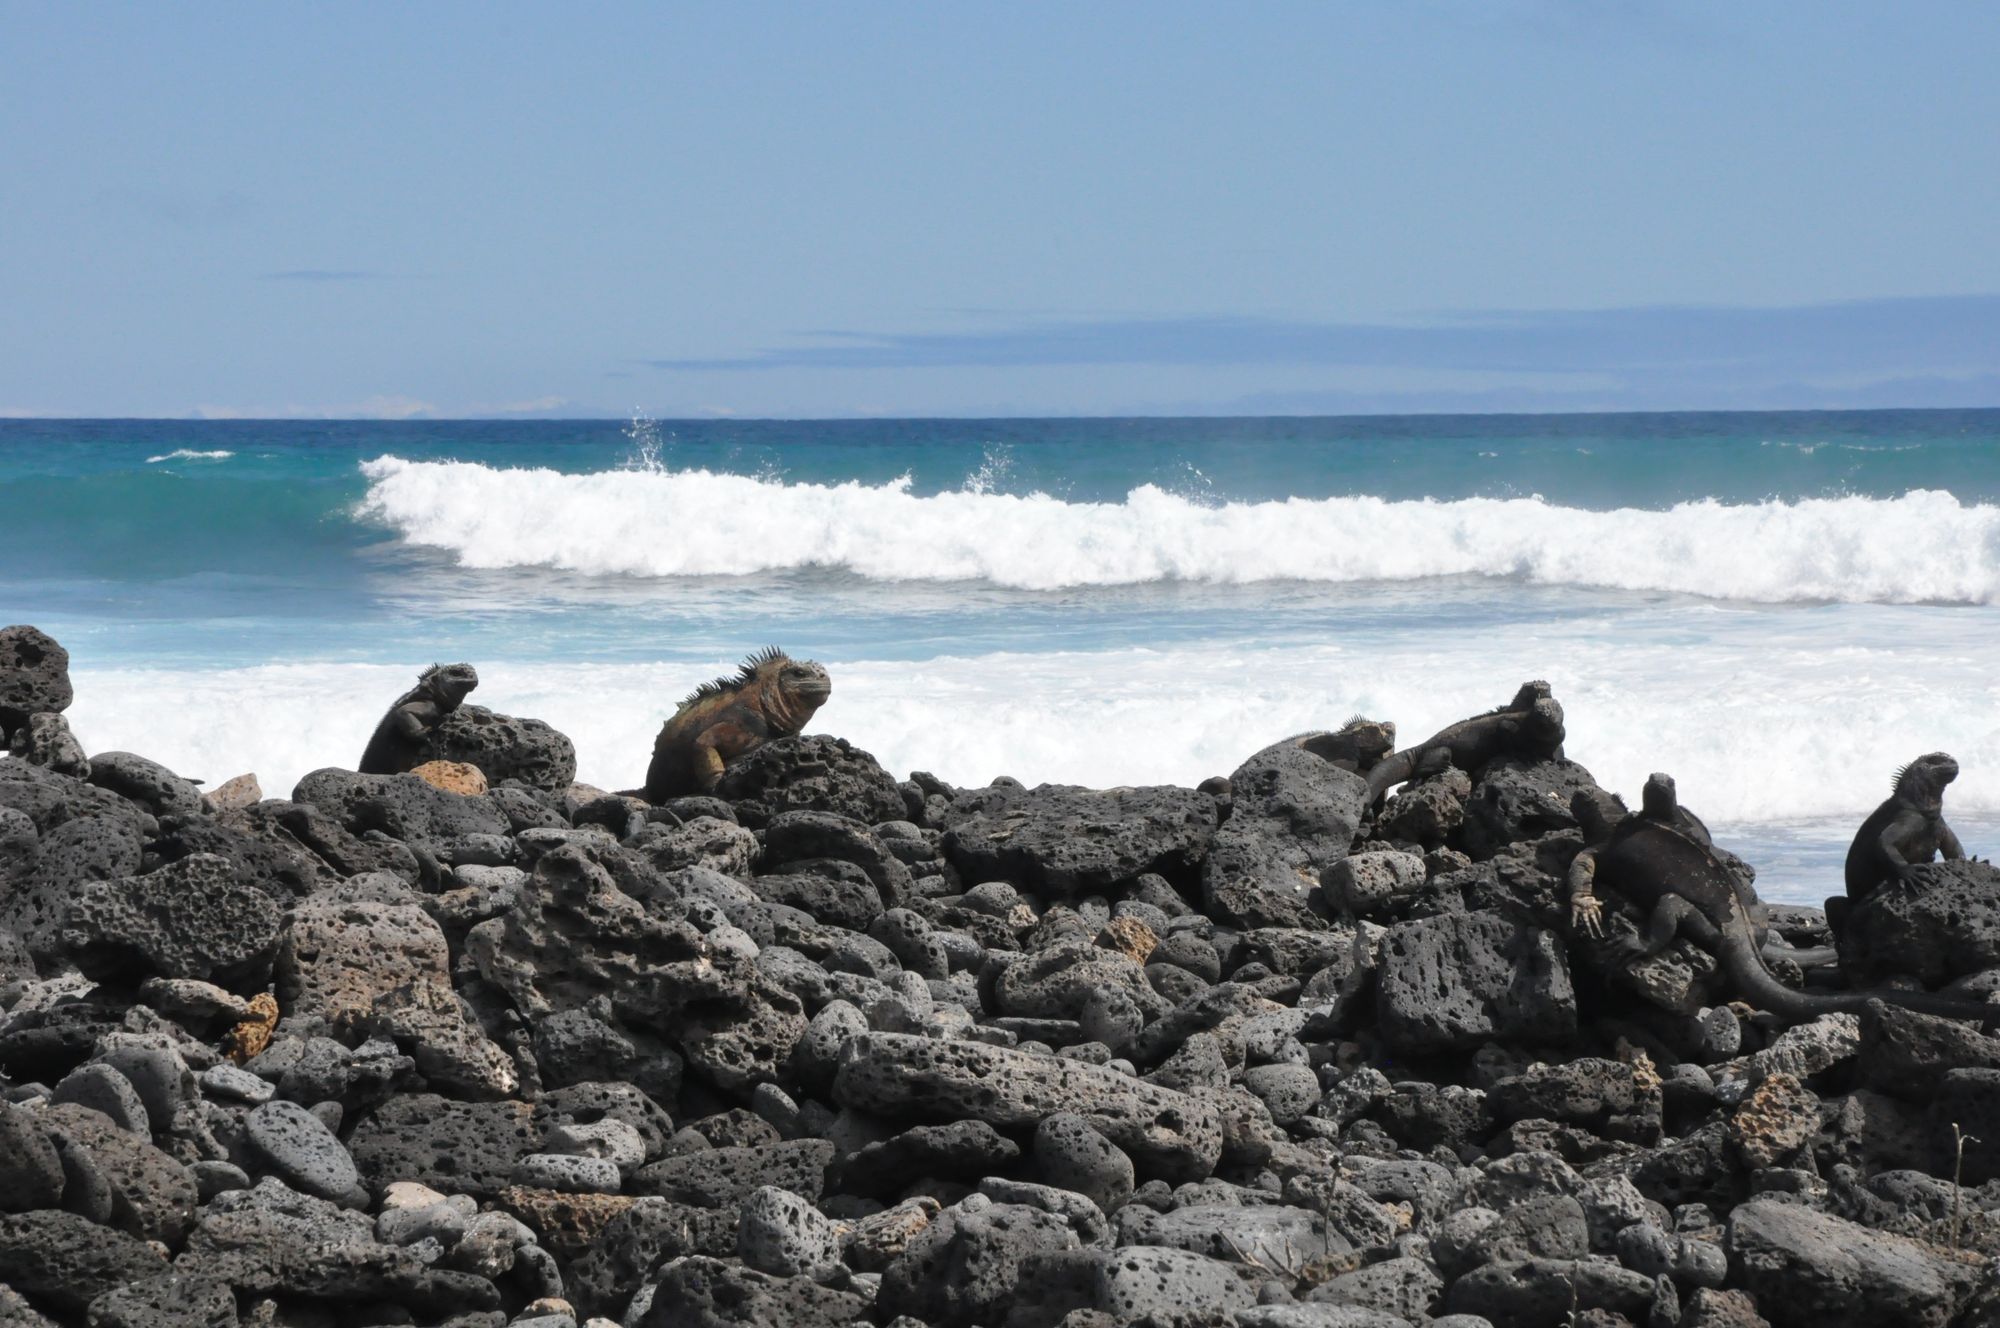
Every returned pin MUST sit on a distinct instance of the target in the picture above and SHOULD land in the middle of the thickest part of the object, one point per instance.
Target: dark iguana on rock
(1530, 726)
(1358, 746)
(402, 736)
(1906, 831)
(773, 696)
(1900, 836)
(1686, 889)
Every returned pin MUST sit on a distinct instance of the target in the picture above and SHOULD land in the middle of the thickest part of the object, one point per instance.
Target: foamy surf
(1764, 739)
(1923, 547)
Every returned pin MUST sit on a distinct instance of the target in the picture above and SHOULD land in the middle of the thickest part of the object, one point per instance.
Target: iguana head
(1597, 812)
(1659, 800)
(1533, 690)
(448, 684)
(791, 689)
(1544, 722)
(805, 683)
(1373, 738)
(1922, 781)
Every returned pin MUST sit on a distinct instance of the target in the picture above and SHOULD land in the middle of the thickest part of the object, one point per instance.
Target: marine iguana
(1659, 803)
(400, 739)
(772, 696)
(1687, 890)
(1358, 746)
(1906, 831)
(1900, 836)
(1529, 726)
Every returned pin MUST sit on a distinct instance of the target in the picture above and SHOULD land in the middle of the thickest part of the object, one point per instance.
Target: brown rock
(569, 1224)
(249, 1038)
(1775, 1121)
(880, 1237)
(1130, 937)
(452, 777)
(234, 794)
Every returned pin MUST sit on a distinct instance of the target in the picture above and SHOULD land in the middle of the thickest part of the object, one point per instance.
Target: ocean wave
(1924, 547)
(188, 454)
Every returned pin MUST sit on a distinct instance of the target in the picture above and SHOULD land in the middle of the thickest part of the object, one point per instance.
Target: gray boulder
(457, 1147)
(65, 1261)
(700, 1292)
(725, 1177)
(401, 806)
(574, 935)
(780, 1233)
(67, 856)
(810, 773)
(504, 748)
(45, 740)
(31, 1171)
(1808, 1268)
(148, 783)
(297, 1145)
(1293, 815)
(1516, 800)
(1947, 926)
(1062, 840)
(189, 919)
(1543, 1293)
(967, 1267)
(1452, 982)
(34, 677)
(903, 1076)
(168, 1300)
(1070, 1155)
(1127, 1285)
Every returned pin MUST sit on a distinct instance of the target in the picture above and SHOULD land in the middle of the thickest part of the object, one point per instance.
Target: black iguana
(1529, 726)
(1685, 889)
(401, 738)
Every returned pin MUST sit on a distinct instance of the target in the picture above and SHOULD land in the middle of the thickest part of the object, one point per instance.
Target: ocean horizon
(1778, 608)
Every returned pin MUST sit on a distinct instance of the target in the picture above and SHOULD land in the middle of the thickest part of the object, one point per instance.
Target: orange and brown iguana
(772, 696)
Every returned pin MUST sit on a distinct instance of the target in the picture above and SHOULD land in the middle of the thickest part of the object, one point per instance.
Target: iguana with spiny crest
(402, 737)
(771, 696)
(1530, 727)
(1906, 831)
(1900, 836)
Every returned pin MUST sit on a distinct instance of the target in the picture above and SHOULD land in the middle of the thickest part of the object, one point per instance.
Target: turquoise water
(1777, 608)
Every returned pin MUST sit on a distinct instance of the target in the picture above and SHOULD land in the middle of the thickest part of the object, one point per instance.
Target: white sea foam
(1793, 729)
(188, 454)
(1926, 546)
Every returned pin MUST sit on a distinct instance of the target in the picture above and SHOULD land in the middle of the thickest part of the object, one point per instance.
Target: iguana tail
(1754, 983)
(1393, 769)
(1818, 956)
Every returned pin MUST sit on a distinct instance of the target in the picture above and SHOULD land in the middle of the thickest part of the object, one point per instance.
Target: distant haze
(911, 209)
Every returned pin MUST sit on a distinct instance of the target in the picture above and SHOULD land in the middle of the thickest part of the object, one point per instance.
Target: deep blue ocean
(1778, 609)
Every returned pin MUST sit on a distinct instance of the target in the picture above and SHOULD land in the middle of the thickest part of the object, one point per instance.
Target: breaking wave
(1923, 547)
(188, 454)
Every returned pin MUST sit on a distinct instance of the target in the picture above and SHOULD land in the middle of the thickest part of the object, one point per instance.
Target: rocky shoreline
(483, 1046)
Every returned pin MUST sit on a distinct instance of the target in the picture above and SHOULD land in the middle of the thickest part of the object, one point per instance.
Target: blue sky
(878, 208)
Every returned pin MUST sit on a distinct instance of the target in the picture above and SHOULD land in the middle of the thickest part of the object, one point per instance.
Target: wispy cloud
(391, 406)
(1955, 335)
(190, 209)
(536, 406)
(325, 274)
